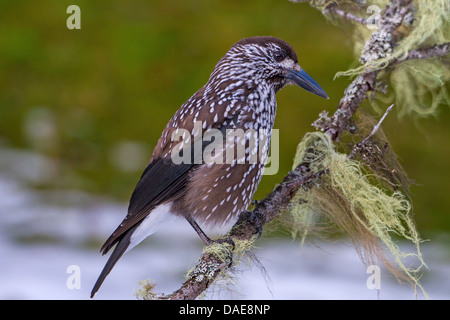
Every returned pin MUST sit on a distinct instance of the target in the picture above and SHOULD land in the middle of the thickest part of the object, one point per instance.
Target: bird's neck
(241, 87)
(252, 93)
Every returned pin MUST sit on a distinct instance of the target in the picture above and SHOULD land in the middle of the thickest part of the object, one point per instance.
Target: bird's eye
(278, 56)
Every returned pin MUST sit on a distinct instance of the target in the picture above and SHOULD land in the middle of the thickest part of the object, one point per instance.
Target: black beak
(302, 79)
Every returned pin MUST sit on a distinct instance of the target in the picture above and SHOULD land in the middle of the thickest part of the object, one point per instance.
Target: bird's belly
(223, 186)
(217, 193)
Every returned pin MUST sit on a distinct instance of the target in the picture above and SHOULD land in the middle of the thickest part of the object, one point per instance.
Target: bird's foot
(255, 218)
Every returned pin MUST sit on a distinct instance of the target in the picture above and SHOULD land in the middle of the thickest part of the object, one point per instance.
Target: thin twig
(344, 14)
(430, 52)
(361, 144)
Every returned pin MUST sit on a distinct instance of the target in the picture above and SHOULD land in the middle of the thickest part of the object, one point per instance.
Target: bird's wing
(163, 181)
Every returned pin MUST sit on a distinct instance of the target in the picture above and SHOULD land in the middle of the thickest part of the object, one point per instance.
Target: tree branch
(430, 52)
(333, 9)
(267, 210)
(377, 45)
(209, 266)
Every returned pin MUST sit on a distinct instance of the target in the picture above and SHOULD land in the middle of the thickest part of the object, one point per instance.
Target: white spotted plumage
(239, 95)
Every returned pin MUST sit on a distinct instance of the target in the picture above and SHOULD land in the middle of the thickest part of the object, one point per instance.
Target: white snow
(67, 220)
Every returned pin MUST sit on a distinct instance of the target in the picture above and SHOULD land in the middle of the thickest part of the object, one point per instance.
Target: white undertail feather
(160, 215)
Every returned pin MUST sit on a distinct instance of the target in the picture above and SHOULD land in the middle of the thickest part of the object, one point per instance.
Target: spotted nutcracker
(240, 94)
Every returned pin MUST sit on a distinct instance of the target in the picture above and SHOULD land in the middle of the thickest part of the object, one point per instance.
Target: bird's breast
(235, 143)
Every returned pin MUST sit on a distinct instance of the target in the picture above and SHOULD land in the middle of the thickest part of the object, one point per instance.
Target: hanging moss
(369, 214)
(222, 252)
(420, 86)
(146, 290)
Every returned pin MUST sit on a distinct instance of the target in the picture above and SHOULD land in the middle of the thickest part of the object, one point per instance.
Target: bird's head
(265, 59)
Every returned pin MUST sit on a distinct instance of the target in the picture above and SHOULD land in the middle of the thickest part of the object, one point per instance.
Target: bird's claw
(256, 219)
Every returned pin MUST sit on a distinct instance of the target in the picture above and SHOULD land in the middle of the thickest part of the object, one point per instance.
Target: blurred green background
(94, 101)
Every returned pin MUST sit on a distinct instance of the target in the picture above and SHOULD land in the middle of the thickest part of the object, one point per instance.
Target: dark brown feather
(163, 181)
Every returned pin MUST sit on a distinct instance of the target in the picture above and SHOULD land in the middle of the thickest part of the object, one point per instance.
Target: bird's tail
(119, 250)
